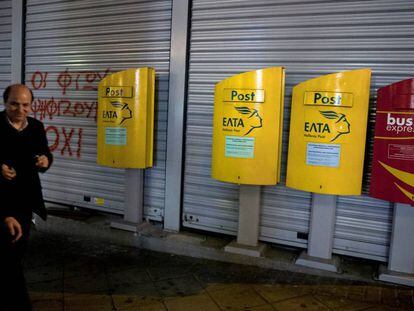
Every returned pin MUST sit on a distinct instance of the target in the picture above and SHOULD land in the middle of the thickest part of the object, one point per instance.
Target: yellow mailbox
(247, 133)
(327, 133)
(126, 119)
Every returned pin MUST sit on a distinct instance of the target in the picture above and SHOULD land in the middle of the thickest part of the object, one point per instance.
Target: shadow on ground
(66, 273)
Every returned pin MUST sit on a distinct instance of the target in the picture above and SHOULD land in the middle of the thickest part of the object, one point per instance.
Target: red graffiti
(90, 78)
(55, 137)
(77, 80)
(39, 80)
(70, 81)
(68, 138)
(62, 140)
(80, 134)
(64, 80)
(80, 81)
(66, 141)
(49, 108)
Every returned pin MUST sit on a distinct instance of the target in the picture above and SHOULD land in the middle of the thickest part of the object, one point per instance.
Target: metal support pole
(249, 221)
(321, 234)
(134, 206)
(401, 259)
(176, 104)
(17, 42)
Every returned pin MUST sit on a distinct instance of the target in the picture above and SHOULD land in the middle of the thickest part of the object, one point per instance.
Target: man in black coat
(24, 152)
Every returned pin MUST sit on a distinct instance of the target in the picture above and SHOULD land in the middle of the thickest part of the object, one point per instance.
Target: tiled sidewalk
(66, 273)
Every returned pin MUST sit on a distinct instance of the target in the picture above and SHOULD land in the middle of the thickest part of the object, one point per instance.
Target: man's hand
(42, 161)
(8, 172)
(14, 227)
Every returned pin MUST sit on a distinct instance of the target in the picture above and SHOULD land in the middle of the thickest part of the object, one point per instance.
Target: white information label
(116, 136)
(323, 154)
(239, 147)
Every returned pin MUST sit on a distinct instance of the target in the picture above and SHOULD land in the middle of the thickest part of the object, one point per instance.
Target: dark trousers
(13, 291)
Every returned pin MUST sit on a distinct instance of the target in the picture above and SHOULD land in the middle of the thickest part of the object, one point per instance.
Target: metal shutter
(309, 38)
(5, 44)
(70, 46)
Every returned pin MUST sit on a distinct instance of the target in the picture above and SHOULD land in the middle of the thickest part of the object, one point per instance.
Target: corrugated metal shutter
(5, 44)
(70, 46)
(309, 38)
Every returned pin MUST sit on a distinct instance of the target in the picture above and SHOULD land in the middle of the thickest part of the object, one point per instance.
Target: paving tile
(99, 276)
(389, 296)
(179, 287)
(86, 284)
(123, 260)
(405, 296)
(236, 296)
(340, 291)
(133, 302)
(47, 305)
(373, 294)
(90, 302)
(43, 273)
(46, 300)
(46, 290)
(128, 276)
(201, 302)
(274, 293)
(266, 307)
(83, 267)
(300, 303)
(343, 304)
(357, 292)
(45, 296)
(392, 297)
(378, 307)
(127, 295)
(152, 307)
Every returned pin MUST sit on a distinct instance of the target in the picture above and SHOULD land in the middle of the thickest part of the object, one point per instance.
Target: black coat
(22, 195)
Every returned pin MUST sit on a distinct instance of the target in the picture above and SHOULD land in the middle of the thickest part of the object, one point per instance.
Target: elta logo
(254, 119)
(125, 114)
(341, 126)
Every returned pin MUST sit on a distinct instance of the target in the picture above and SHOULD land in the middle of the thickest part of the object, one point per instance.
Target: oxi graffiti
(66, 140)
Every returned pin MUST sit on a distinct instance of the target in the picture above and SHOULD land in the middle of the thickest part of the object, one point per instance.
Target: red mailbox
(392, 177)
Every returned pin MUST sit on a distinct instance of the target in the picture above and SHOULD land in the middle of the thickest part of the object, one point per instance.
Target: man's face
(18, 104)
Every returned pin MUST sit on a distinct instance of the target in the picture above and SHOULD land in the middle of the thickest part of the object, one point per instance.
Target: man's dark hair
(8, 89)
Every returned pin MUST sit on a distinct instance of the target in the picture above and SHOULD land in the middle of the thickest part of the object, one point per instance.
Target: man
(24, 152)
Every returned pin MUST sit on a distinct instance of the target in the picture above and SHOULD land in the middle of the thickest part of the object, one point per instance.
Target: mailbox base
(134, 208)
(253, 251)
(125, 225)
(331, 265)
(386, 275)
